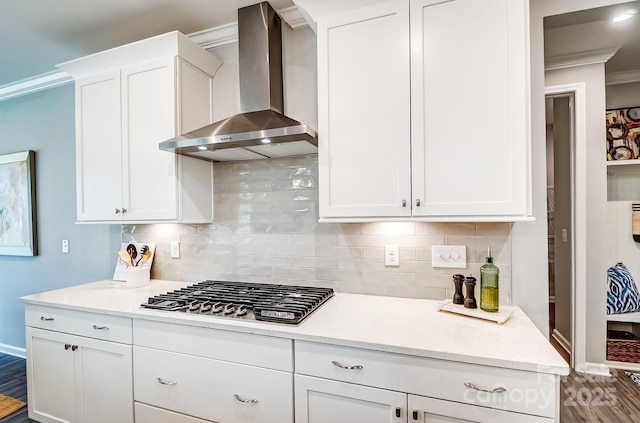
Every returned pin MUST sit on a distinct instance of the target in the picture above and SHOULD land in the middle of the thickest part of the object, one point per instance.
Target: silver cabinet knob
(418, 202)
(117, 211)
(124, 210)
(404, 203)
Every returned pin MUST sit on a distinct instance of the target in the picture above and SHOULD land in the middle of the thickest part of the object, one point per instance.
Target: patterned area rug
(9, 405)
(635, 377)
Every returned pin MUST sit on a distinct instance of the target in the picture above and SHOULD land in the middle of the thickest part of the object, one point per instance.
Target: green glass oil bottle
(489, 275)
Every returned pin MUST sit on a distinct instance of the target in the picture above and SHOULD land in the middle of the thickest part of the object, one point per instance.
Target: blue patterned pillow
(622, 296)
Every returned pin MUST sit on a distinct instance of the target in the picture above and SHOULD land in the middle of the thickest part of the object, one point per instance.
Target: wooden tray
(500, 316)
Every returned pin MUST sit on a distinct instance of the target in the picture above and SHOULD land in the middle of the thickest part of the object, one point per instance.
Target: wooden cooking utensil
(124, 256)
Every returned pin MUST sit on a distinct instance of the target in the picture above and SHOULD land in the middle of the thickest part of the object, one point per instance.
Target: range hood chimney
(261, 130)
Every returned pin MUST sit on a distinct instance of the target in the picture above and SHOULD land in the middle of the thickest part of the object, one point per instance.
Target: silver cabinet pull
(67, 346)
(404, 203)
(96, 327)
(117, 211)
(124, 210)
(414, 414)
(47, 319)
(342, 366)
(398, 411)
(74, 347)
(497, 390)
(246, 401)
(418, 202)
(167, 382)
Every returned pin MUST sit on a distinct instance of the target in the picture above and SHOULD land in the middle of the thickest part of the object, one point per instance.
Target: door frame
(579, 220)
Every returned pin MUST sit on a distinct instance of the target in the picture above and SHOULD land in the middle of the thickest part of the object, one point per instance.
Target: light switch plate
(449, 256)
(175, 249)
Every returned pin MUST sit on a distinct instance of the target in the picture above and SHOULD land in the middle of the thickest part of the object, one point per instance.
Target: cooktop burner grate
(265, 302)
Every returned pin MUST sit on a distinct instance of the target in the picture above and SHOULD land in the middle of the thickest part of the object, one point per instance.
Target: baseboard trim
(596, 369)
(14, 351)
(562, 341)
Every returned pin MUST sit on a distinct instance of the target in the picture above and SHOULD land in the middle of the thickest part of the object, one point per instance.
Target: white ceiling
(592, 29)
(35, 35)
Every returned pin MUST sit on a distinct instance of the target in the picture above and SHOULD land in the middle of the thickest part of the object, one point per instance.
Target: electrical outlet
(175, 249)
(391, 255)
(449, 256)
(65, 246)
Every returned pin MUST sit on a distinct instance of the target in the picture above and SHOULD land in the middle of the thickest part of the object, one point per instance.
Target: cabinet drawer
(91, 325)
(147, 414)
(237, 347)
(526, 392)
(211, 389)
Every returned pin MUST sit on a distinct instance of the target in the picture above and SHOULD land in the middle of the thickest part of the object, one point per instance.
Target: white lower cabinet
(77, 379)
(431, 410)
(214, 375)
(148, 414)
(323, 400)
(342, 384)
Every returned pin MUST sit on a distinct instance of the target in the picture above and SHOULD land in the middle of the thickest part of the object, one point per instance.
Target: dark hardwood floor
(13, 383)
(583, 398)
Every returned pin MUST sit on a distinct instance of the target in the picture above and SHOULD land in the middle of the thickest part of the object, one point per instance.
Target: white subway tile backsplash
(266, 230)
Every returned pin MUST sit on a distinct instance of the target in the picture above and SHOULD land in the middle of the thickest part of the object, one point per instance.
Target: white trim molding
(37, 83)
(578, 341)
(14, 351)
(207, 39)
(580, 59)
(595, 369)
(617, 78)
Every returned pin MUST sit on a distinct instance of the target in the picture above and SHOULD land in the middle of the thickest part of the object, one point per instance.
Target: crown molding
(617, 78)
(209, 38)
(37, 83)
(590, 57)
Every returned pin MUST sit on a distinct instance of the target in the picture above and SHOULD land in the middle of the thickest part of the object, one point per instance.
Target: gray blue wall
(44, 122)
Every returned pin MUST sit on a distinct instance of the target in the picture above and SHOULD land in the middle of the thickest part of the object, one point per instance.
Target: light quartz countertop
(396, 325)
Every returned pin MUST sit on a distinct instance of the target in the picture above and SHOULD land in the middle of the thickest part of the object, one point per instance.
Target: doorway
(560, 141)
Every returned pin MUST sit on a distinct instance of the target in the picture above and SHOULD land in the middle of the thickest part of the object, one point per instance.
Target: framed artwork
(18, 204)
(623, 134)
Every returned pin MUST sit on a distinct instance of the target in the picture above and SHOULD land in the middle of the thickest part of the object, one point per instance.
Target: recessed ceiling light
(622, 18)
(202, 147)
(265, 141)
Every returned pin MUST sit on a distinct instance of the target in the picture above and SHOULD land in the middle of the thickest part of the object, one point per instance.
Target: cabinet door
(106, 374)
(322, 400)
(149, 117)
(430, 410)
(363, 112)
(469, 107)
(213, 390)
(51, 377)
(77, 379)
(99, 148)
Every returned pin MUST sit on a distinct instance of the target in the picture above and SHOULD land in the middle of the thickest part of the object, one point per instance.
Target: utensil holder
(137, 277)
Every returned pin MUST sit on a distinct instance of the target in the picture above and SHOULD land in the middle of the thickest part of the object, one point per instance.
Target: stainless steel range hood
(262, 130)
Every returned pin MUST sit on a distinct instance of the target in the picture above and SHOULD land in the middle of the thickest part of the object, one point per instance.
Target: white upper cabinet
(128, 100)
(364, 154)
(470, 107)
(423, 110)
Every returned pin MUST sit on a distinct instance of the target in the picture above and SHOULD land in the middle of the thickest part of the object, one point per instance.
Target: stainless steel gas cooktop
(253, 301)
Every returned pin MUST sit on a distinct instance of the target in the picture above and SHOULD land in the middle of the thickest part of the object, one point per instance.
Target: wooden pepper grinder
(458, 280)
(470, 299)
